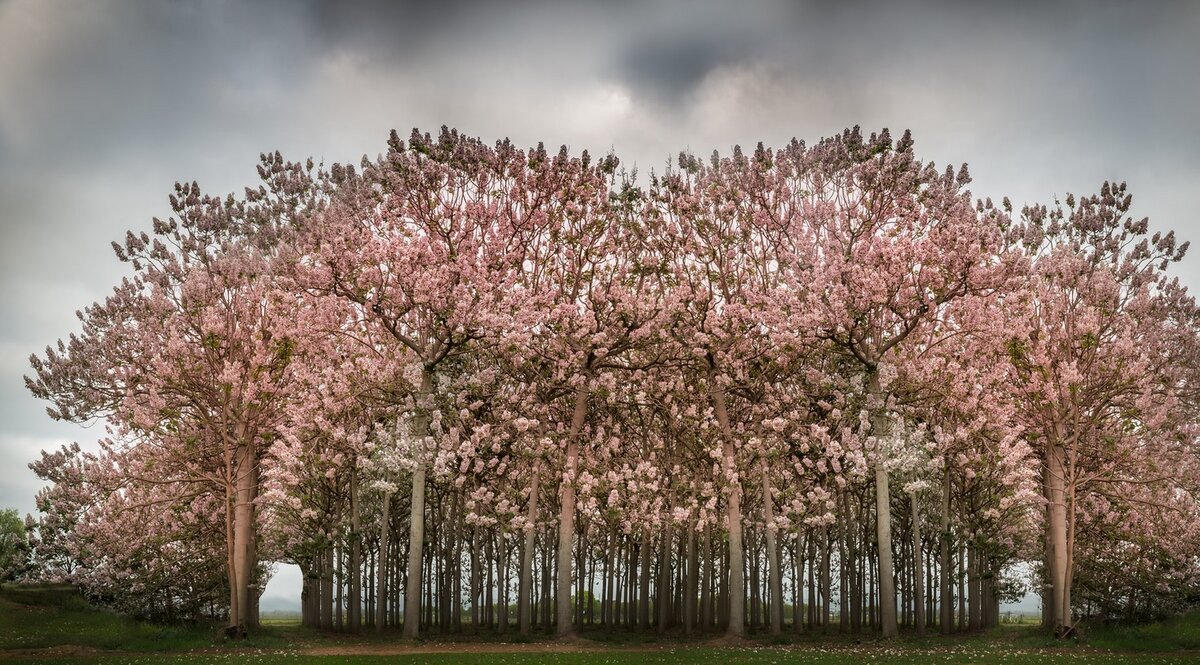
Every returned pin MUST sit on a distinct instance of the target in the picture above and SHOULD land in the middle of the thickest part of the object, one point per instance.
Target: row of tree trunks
(663, 581)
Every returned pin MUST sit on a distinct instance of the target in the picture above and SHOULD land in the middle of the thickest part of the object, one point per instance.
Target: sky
(105, 104)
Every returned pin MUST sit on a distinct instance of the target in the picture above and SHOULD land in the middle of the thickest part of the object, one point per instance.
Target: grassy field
(55, 625)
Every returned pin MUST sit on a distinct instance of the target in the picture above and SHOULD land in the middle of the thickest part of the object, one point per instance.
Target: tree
(14, 546)
(1102, 361)
(654, 404)
(183, 359)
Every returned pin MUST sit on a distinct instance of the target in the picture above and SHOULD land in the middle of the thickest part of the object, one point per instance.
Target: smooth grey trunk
(706, 605)
(525, 584)
(476, 579)
(798, 584)
(354, 612)
(737, 579)
(664, 579)
(327, 588)
(880, 429)
(231, 570)
(381, 587)
(502, 576)
(339, 574)
(566, 517)
(689, 585)
(245, 558)
(416, 514)
(947, 605)
(974, 589)
(774, 574)
(826, 582)
(644, 580)
(962, 590)
(1056, 524)
(918, 569)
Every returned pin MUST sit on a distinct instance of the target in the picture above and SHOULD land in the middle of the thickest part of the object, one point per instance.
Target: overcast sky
(105, 104)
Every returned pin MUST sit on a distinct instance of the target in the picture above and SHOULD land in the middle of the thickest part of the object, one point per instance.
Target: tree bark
(327, 587)
(775, 574)
(664, 579)
(1056, 523)
(566, 515)
(706, 605)
(689, 585)
(476, 579)
(502, 575)
(354, 613)
(880, 429)
(244, 555)
(974, 589)
(644, 579)
(918, 569)
(737, 580)
(381, 567)
(525, 584)
(947, 608)
(826, 581)
(416, 514)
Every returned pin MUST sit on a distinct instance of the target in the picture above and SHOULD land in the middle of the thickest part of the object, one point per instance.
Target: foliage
(453, 354)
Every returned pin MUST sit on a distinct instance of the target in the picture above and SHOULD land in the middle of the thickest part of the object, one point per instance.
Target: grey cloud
(672, 68)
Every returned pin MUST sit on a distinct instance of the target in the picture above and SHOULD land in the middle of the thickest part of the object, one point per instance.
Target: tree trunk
(1056, 524)
(416, 513)
(664, 579)
(566, 515)
(244, 555)
(644, 579)
(752, 566)
(974, 589)
(918, 568)
(737, 580)
(689, 585)
(775, 574)
(339, 574)
(849, 590)
(947, 609)
(826, 581)
(797, 583)
(502, 575)
(234, 628)
(881, 429)
(381, 568)
(962, 591)
(327, 588)
(354, 613)
(547, 562)
(476, 579)
(525, 584)
(706, 605)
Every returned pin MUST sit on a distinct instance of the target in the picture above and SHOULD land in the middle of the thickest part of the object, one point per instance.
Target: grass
(44, 616)
(48, 624)
(749, 656)
(1178, 633)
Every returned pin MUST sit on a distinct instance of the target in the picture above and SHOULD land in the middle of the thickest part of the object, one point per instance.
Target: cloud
(20, 484)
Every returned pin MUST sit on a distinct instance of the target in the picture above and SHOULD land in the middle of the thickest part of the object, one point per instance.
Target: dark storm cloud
(673, 67)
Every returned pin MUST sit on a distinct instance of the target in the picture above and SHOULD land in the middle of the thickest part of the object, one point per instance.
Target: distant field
(55, 625)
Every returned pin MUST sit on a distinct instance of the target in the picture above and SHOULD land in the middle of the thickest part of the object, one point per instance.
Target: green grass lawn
(55, 625)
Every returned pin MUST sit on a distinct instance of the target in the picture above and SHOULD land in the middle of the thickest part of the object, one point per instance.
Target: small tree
(14, 546)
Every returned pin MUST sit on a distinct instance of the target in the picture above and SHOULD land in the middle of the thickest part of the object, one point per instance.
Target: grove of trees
(470, 387)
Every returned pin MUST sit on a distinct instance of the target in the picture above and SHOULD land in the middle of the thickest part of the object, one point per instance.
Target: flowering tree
(721, 371)
(1102, 362)
(183, 359)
